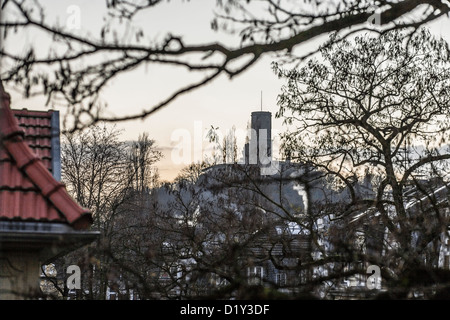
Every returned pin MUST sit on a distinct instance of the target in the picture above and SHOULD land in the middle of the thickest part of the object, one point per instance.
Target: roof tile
(37, 126)
(28, 191)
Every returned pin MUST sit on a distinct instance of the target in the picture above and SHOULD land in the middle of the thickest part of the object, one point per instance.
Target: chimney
(4, 96)
(8, 123)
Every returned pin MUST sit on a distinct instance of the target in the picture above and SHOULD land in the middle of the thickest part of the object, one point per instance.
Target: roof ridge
(9, 126)
(29, 164)
(24, 112)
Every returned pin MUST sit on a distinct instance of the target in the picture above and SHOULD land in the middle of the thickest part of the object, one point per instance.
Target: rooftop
(28, 190)
(42, 136)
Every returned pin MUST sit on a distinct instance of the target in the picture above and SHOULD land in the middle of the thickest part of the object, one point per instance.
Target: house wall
(19, 275)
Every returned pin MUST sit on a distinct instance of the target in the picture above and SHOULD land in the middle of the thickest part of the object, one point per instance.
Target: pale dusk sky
(223, 103)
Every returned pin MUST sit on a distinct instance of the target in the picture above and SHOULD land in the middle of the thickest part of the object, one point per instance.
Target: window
(255, 275)
(281, 279)
(217, 280)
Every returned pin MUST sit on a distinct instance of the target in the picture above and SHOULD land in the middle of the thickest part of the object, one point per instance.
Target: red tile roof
(28, 191)
(38, 132)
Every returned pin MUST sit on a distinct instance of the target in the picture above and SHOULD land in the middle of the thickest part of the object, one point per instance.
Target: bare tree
(71, 72)
(378, 108)
(94, 168)
(144, 154)
(192, 172)
(111, 177)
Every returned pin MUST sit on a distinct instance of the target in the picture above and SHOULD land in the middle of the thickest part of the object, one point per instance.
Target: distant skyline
(224, 103)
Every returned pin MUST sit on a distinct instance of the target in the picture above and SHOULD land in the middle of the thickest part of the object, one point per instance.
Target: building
(39, 221)
(259, 149)
(270, 208)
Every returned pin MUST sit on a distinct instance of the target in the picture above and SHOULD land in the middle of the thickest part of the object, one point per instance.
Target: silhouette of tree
(377, 109)
(112, 178)
(76, 66)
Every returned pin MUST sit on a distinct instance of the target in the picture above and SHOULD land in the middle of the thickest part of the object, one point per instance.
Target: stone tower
(259, 149)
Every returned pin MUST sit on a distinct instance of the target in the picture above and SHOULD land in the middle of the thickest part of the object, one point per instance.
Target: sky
(224, 103)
